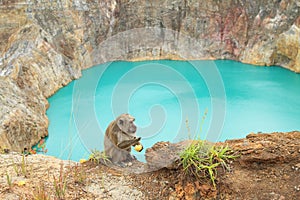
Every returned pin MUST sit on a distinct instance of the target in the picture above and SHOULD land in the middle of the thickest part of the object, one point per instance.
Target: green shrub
(98, 156)
(202, 157)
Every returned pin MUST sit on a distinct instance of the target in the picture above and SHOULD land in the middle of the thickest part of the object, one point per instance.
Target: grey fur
(120, 135)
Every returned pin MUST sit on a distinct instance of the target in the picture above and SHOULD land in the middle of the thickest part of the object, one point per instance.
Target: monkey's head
(125, 123)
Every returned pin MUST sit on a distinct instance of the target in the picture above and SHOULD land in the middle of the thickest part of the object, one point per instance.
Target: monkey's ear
(120, 123)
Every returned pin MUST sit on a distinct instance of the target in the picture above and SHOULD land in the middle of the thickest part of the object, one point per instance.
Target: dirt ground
(268, 168)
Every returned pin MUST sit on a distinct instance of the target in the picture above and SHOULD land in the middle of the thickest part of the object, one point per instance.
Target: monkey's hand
(128, 143)
(138, 147)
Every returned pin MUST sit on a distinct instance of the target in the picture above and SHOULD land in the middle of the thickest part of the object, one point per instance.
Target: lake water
(172, 101)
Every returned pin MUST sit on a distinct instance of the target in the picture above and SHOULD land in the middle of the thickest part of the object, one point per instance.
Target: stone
(165, 154)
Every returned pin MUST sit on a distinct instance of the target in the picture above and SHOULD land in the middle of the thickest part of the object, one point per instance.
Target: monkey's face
(126, 123)
(132, 127)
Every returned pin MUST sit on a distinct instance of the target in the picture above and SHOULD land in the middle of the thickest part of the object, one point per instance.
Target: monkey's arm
(128, 143)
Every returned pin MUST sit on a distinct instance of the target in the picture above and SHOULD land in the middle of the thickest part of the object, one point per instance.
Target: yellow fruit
(21, 183)
(82, 161)
(138, 148)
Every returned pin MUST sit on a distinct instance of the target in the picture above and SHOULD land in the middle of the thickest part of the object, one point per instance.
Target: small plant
(97, 156)
(201, 125)
(16, 169)
(203, 157)
(40, 193)
(39, 148)
(188, 128)
(79, 173)
(21, 168)
(203, 119)
(8, 180)
(24, 166)
(60, 184)
(4, 150)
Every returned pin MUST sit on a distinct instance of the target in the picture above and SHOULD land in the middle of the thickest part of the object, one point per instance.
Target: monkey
(120, 135)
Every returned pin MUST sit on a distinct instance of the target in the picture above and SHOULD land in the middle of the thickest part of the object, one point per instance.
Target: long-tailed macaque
(119, 137)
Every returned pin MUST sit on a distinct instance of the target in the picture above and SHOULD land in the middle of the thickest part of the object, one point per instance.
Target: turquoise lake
(172, 101)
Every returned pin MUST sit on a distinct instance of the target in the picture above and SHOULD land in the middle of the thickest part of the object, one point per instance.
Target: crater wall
(45, 44)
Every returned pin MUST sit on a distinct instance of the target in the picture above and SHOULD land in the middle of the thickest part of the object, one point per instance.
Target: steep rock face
(45, 44)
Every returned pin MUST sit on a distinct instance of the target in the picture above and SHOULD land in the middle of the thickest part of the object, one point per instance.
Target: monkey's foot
(124, 164)
(121, 164)
(130, 158)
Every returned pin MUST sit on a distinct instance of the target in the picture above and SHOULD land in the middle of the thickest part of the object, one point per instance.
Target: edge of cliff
(268, 168)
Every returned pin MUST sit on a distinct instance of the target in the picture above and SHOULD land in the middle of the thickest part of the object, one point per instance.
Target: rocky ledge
(268, 168)
(45, 44)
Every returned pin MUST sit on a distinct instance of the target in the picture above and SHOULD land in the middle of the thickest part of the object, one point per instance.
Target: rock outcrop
(256, 147)
(165, 154)
(45, 44)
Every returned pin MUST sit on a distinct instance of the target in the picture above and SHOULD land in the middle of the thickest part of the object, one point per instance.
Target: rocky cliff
(45, 44)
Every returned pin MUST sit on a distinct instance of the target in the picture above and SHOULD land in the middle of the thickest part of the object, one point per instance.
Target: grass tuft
(98, 156)
(21, 168)
(8, 180)
(79, 174)
(60, 184)
(40, 193)
(202, 157)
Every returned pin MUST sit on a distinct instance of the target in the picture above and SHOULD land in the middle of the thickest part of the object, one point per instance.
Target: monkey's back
(110, 143)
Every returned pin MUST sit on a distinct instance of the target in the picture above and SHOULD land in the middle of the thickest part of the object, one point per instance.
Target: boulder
(165, 154)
